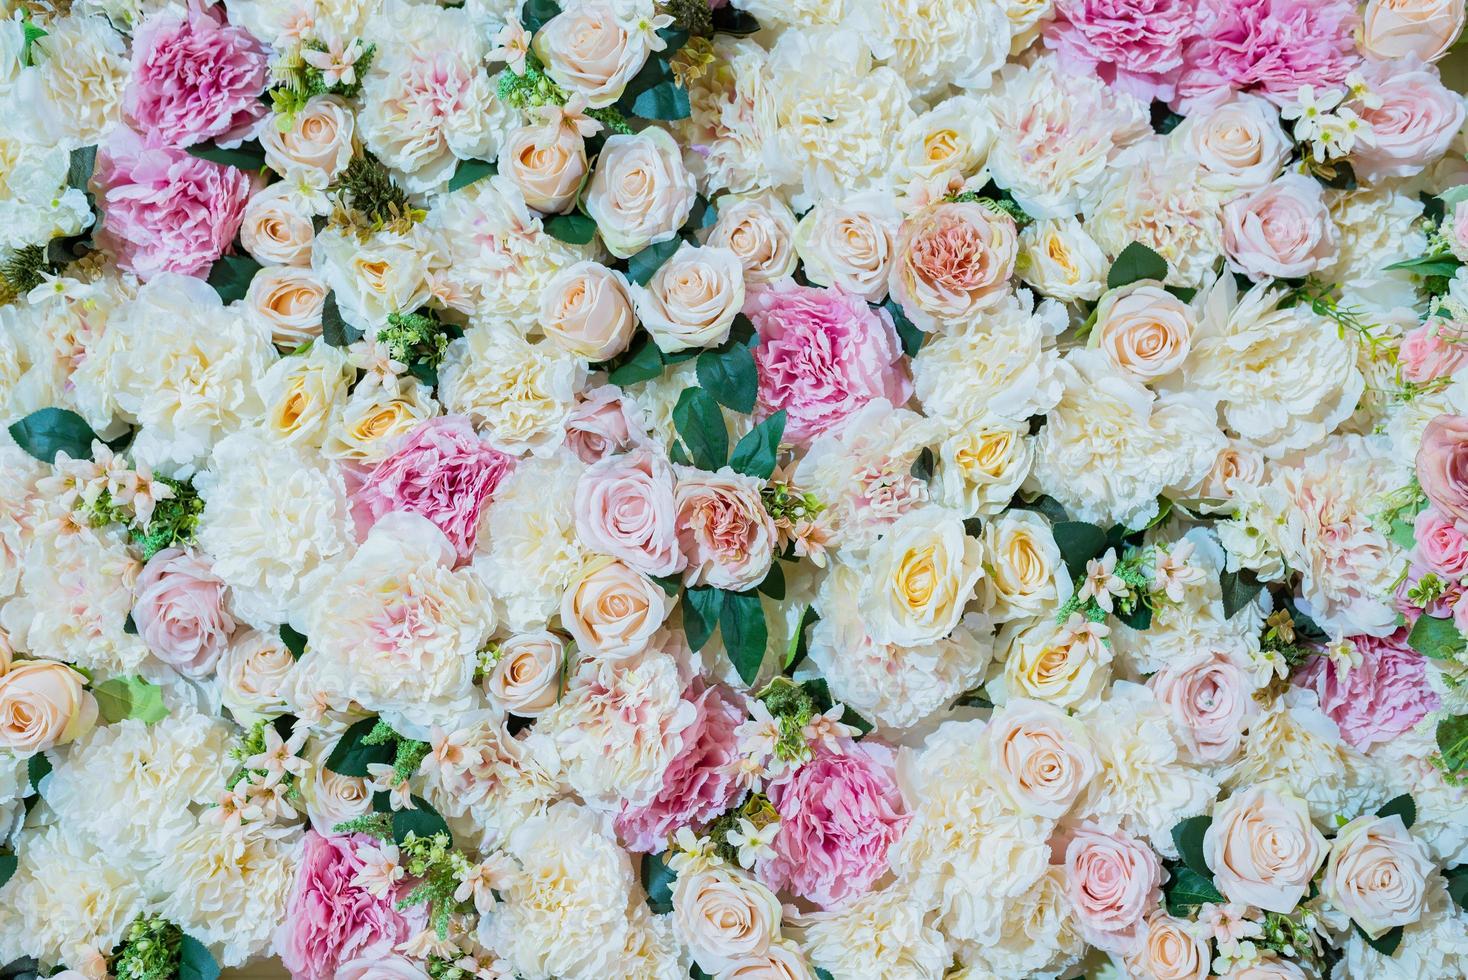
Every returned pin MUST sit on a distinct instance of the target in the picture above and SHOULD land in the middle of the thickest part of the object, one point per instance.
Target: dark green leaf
(335, 330)
(1079, 542)
(1139, 617)
(774, 582)
(1436, 638)
(729, 19)
(294, 642)
(1239, 589)
(730, 376)
(642, 266)
(922, 467)
(667, 101)
(674, 38)
(908, 332)
(130, 626)
(249, 155)
(230, 276)
(645, 364)
(1430, 265)
(469, 171)
(799, 646)
(195, 961)
(79, 169)
(1457, 885)
(351, 756)
(701, 608)
(1452, 743)
(36, 769)
(822, 974)
(1401, 806)
(423, 820)
(669, 584)
(536, 12)
(576, 229)
(1386, 944)
(700, 424)
(1136, 262)
(48, 431)
(742, 624)
(657, 881)
(1188, 836)
(8, 864)
(120, 698)
(754, 455)
(1187, 890)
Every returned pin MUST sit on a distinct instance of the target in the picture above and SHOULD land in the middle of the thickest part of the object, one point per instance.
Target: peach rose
(1377, 874)
(526, 677)
(851, 245)
(1211, 698)
(587, 51)
(759, 230)
(953, 261)
(1442, 464)
(585, 309)
(1173, 950)
(43, 704)
(691, 301)
(1240, 143)
(1113, 882)
(640, 193)
(625, 508)
(289, 300)
(277, 227)
(724, 531)
(319, 141)
(782, 961)
(1262, 848)
(1283, 230)
(723, 915)
(1042, 757)
(1143, 331)
(547, 163)
(611, 610)
(1426, 29)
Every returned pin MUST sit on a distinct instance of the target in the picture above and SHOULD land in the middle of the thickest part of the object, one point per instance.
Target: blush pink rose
(329, 921)
(1114, 881)
(1441, 544)
(164, 210)
(1132, 45)
(1442, 465)
(603, 423)
(1283, 230)
(724, 531)
(625, 509)
(1459, 243)
(1377, 700)
(699, 783)
(1414, 123)
(839, 814)
(194, 78)
(1435, 349)
(442, 470)
(1211, 699)
(181, 613)
(823, 354)
(1268, 46)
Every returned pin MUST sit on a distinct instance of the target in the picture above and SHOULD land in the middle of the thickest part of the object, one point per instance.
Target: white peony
(1039, 936)
(36, 205)
(519, 393)
(935, 45)
(1377, 227)
(883, 935)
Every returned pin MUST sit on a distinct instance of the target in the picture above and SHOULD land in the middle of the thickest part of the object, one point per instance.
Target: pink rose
(1442, 465)
(1133, 45)
(330, 921)
(1113, 882)
(1282, 230)
(724, 531)
(1459, 243)
(442, 470)
(1211, 698)
(1414, 124)
(180, 611)
(699, 783)
(194, 78)
(1380, 698)
(1436, 349)
(1441, 545)
(839, 813)
(823, 354)
(1269, 46)
(603, 422)
(164, 210)
(625, 508)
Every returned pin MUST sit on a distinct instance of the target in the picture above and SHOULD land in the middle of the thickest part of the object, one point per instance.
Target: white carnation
(1436, 945)
(1377, 227)
(519, 393)
(732, 118)
(73, 94)
(883, 935)
(935, 45)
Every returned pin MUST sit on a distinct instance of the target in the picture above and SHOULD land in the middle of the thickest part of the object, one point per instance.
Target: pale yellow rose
(305, 392)
(980, 466)
(1174, 949)
(851, 245)
(1143, 331)
(1042, 757)
(1050, 662)
(1058, 258)
(526, 678)
(585, 309)
(782, 961)
(374, 417)
(289, 300)
(1022, 566)
(43, 704)
(916, 580)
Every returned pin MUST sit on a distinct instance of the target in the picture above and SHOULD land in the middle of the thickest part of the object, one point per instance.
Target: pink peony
(699, 783)
(1435, 349)
(1381, 698)
(180, 611)
(1269, 46)
(1134, 45)
(822, 355)
(442, 470)
(1113, 882)
(839, 813)
(163, 210)
(194, 78)
(1441, 545)
(1442, 464)
(330, 921)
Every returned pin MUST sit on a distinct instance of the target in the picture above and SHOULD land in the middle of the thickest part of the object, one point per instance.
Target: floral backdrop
(770, 490)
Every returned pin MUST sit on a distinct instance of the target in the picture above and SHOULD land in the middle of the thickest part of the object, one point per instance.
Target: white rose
(1392, 29)
(527, 676)
(692, 299)
(760, 231)
(1042, 757)
(1143, 331)
(918, 577)
(588, 51)
(372, 279)
(952, 138)
(317, 144)
(1377, 874)
(1240, 143)
(277, 228)
(1263, 849)
(850, 245)
(981, 465)
(288, 299)
(1050, 662)
(332, 798)
(586, 310)
(252, 675)
(640, 193)
(1022, 564)
(1059, 259)
(724, 915)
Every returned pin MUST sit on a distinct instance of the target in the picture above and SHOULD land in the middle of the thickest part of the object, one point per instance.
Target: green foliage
(909, 333)
(575, 229)
(175, 521)
(1136, 262)
(642, 266)
(120, 698)
(701, 608)
(1239, 589)
(1186, 890)
(700, 425)
(745, 632)
(368, 200)
(352, 753)
(1188, 836)
(48, 431)
(414, 339)
(643, 363)
(249, 155)
(24, 270)
(657, 881)
(1079, 542)
(335, 330)
(754, 454)
(230, 275)
(1400, 806)
(431, 858)
(1452, 747)
(470, 171)
(151, 950)
(1436, 638)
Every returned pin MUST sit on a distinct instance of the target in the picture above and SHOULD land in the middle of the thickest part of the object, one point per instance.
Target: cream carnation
(517, 392)
(732, 116)
(932, 46)
(883, 934)
(74, 94)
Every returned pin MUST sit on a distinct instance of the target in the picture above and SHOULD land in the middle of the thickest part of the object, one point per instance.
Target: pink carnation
(839, 813)
(699, 783)
(822, 355)
(1269, 46)
(194, 78)
(442, 470)
(329, 920)
(1382, 697)
(1134, 45)
(163, 210)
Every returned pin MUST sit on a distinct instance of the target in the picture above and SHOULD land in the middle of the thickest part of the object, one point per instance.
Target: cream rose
(981, 465)
(850, 245)
(43, 704)
(585, 309)
(1022, 566)
(373, 418)
(253, 675)
(1060, 259)
(1055, 663)
(723, 914)
(918, 577)
(332, 798)
(611, 610)
(640, 193)
(319, 141)
(1042, 757)
(759, 230)
(1283, 230)
(547, 163)
(953, 262)
(302, 394)
(782, 961)
(1262, 848)
(1239, 144)
(1172, 949)
(288, 299)
(692, 299)
(1143, 331)
(587, 51)
(1211, 699)
(1377, 874)
(1392, 29)
(277, 227)
(527, 675)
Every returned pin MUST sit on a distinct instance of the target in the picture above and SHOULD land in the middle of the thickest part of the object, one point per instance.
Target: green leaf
(8, 863)
(1436, 638)
(730, 376)
(576, 229)
(701, 608)
(642, 266)
(1452, 742)
(1430, 265)
(469, 171)
(799, 646)
(230, 276)
(700, 425)
(1239, 589)
(645, 363)
(822, 974)
(1401, 806)
(742, 624)
(668, 583)
(1188, 836)
(1403, 534)
(48, 431)
(657, 881)
(423, 820)
(1136, 262)
(37, 767)
(754, 454)
(351, 756)
(294, 642)
(195, 961)
(922, 467)
(731, 20)
(1187, 890)
(1386, 944)
(30, 33)
(79, 168)
(1079, 542)
(908, 332)
(536, 12)
(130, 697)
(335, 330)
(667, 101)
(774, 582)
(1457, 885)
(249, 155)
